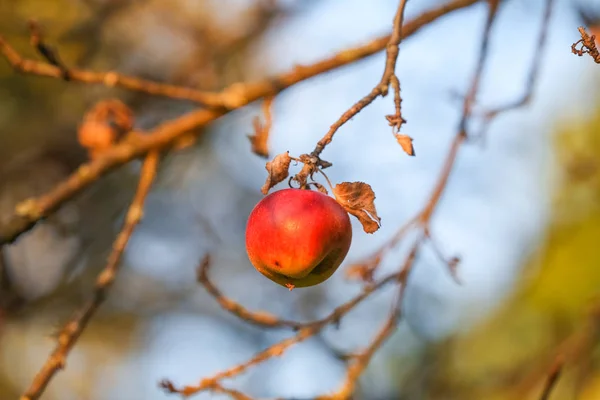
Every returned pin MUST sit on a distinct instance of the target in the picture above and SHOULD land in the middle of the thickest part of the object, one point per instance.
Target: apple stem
(326, 178)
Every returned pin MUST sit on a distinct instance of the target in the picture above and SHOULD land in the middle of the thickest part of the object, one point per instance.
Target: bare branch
(73, 328)
(361, 360)
(270, 321)
(216, 387)
(422, 220)
(534, 72)
(55, 69)
(572, 350)
(262, 319)
(50, 54)
(167, 133)
(392, 50)
(305, 331)
(273, 351)
(461, 135)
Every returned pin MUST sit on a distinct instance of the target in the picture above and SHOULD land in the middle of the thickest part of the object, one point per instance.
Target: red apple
(298, 238)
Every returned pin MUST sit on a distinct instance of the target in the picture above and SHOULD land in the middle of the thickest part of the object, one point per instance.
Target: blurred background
(522, 208)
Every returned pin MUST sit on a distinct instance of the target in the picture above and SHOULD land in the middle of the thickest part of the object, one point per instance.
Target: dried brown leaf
(96, 135)
(278, 170)
(358, 199)
(103, 125)
(405, 142)
(259, 140)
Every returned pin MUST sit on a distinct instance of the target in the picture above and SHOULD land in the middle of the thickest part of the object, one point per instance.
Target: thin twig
(52, 69)
(216, 387)
(532, 78)
(165, 134)
(461, 135)
(51, 55)
(261, 319)
(577, 346)
(381, 89)
(366, 268)
(73, 328)
(272, 351)
(392, 49)
(552, 379)
(361, 360)
(270, 321)
(451, 262)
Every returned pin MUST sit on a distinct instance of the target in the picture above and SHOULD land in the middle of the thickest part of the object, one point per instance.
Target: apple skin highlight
(297, 237)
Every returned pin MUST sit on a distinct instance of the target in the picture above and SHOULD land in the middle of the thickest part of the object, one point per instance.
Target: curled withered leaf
(103, 125)
(96, 136)
(259, 140)
(405, 142)
(358, 199)
(278, 170)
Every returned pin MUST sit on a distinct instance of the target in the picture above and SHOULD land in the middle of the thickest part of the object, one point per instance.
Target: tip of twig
(167, 385)
(202, 268)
